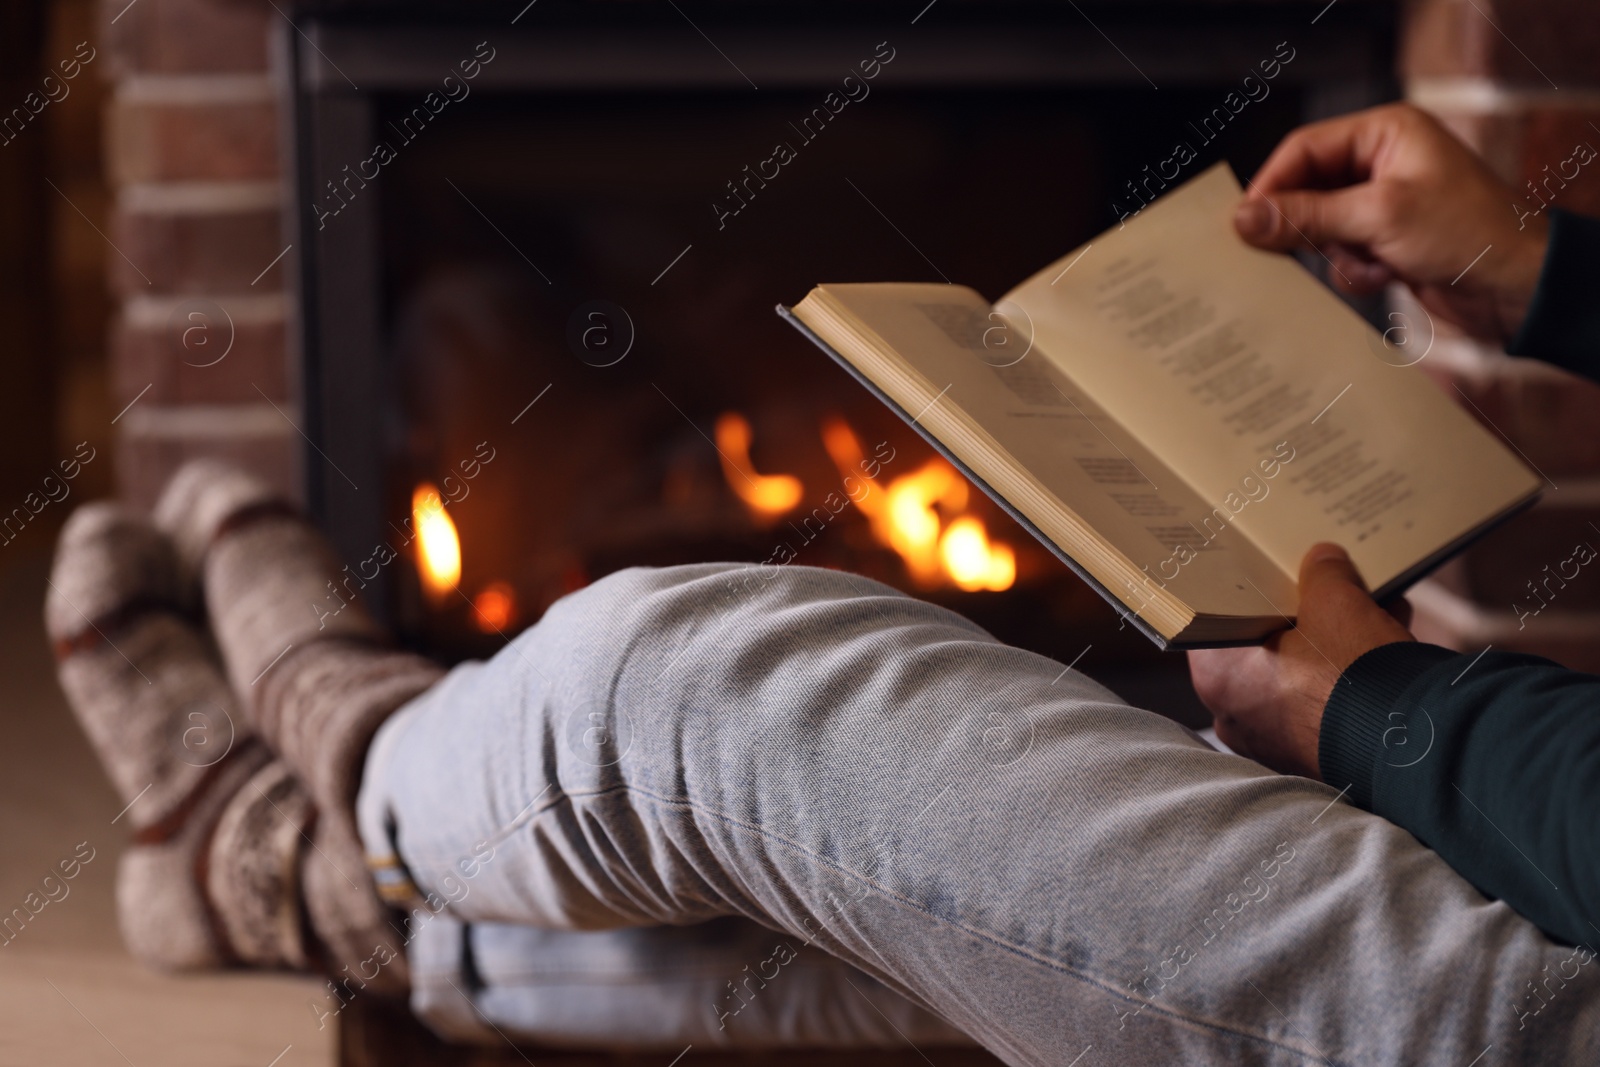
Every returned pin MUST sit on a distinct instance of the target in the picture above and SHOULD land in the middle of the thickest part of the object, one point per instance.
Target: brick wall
(1517, 80)
(192, 151)
(192, 155)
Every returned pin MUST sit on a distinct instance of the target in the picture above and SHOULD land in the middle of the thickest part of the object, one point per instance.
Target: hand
(1389, 195)
(1267, 702)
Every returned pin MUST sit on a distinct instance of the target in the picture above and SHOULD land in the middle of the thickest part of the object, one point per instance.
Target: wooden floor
(98, 1008)
(69, 993)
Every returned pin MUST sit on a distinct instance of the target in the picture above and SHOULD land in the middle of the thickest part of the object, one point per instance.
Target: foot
(316, 682)
(218, 821)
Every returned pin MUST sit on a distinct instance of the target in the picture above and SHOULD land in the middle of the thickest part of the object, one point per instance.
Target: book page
(1221, 357)
(947, 337)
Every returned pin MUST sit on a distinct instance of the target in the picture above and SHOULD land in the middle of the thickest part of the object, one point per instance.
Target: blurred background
(533, 341)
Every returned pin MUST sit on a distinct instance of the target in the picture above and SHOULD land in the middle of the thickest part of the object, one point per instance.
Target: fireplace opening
(553, 313)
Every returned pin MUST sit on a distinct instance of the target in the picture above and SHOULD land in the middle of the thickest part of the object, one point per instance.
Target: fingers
(1355, 273)
(1327, 154)
(1284, 221)
(1216, 672)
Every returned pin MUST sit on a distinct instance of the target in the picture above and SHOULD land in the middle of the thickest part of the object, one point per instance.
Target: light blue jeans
(720, 805)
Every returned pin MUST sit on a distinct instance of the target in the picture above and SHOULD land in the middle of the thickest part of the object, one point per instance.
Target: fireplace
(539, 258)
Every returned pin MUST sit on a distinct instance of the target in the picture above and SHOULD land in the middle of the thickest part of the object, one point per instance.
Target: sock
(316, 683)
(146, 690)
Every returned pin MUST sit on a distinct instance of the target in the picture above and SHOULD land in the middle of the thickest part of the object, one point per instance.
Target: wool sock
(218, 824)
(310, 664)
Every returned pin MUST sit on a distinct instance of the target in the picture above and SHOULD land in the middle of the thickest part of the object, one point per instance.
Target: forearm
(1494, 763)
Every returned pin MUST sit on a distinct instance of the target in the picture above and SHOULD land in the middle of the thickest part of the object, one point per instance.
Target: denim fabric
(650, 988)
(1001, 841)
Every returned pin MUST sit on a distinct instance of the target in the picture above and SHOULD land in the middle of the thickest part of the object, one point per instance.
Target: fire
(768, 495)
(910, 525)
(495, 607)
(438, 545)
(972, 561)
(922, 514)
(909, 514)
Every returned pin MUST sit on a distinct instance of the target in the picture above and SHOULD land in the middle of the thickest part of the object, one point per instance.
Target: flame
(972, 561)
(439, 547)
(768, 495)
(495, 607)
(910, 525)
(845, 450)
(908, 516)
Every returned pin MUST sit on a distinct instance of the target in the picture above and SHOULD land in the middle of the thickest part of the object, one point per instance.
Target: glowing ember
(972, 561)
(495, 607)
(438, 546)
(768, 495)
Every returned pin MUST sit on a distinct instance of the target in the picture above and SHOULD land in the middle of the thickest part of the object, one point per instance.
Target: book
(1179, 417)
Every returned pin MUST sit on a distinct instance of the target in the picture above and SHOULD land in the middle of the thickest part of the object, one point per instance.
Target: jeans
(737, 805)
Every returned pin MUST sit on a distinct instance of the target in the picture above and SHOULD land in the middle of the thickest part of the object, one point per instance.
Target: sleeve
(1492, 761)
(1563, 323)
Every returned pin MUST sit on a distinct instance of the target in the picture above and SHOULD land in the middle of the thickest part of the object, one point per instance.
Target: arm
(1493, 762)
(1563, 322)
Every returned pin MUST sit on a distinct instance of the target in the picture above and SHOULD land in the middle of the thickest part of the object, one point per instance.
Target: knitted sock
(218, 823)
(316, 680)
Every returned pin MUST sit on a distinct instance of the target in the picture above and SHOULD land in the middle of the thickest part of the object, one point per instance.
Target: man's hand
(1268, 701)
(1388, 194)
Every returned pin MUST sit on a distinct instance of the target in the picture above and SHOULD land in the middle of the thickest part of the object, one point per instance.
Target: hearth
(540, 253)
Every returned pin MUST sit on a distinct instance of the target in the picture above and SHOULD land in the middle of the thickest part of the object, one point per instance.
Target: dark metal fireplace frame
(1345, 61)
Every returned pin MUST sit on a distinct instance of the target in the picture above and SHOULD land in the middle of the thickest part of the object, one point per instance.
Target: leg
(1040, 864)
(318, 681)
(647, 988)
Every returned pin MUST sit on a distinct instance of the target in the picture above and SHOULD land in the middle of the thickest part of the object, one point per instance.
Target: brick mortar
(200, 90)
(152, 312)
(1489, 96)
(187, 422)
(200, 197)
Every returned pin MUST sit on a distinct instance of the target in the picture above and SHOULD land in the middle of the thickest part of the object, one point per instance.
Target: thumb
(1326, 568)
(1337, 610)
(1310, 218)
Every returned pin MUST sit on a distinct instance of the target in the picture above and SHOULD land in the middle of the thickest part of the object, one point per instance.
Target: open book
(1179, 417)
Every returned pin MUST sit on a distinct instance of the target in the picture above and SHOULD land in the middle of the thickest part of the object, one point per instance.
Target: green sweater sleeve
(1563, 323)
(1493, 761)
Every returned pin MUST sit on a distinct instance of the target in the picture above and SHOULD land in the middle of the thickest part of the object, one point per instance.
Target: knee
(723, 616)
(641, 599)
(631, 610)
(658, 597)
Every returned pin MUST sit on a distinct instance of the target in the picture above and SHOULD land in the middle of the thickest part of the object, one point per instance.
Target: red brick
(1549, 136)
(186, 36)
(1549, 43)
(153, 442)
(1548, 414)
(195, 238)
(211, 359)
(203, 127)
(1438, 39)
(1521, 132)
